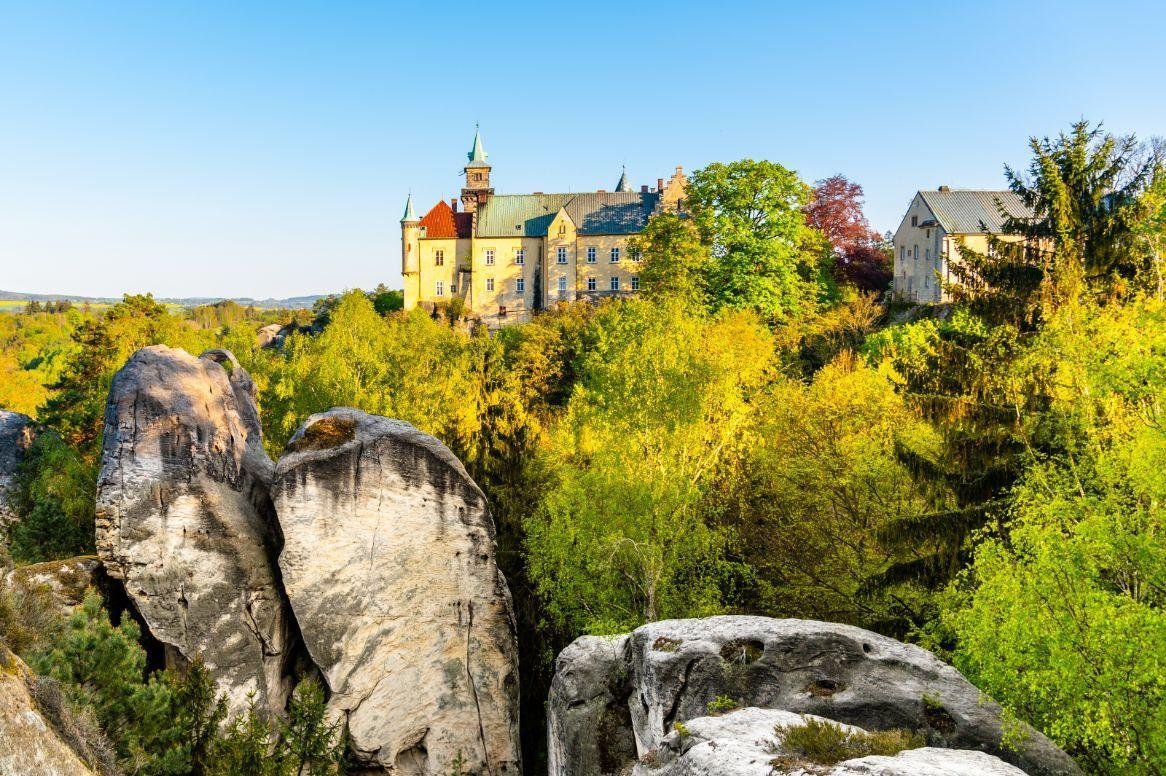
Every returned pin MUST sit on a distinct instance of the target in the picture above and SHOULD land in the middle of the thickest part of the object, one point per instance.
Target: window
(561, 255)
(520, 285)
(439, 258)
(902, 251)
(489, 284)
(615, 255)
(615, 284)
(519, 256)
(501, 311)
(927, 254)
(591, 255)
(590, 284)
(929, 233)
(916, 251)
(636, 254)
(440, 288)
(562, 285)
(914, 220)
(635, 282)
(489, 257)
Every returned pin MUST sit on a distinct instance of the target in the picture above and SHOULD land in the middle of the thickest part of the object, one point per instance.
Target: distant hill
(291, 303)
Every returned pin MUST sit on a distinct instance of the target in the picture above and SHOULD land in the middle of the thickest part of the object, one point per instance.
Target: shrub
(826, 743)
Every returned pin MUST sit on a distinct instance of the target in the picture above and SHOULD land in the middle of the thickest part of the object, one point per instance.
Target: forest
(762, 430)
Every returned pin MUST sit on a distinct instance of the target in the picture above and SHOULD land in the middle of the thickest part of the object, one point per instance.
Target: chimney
(600, 191)
(945, 188)
(659, 184)
(644, 189)
(453, 204)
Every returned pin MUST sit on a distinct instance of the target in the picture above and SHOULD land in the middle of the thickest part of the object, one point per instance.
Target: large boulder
(16, 435)
(184, 519)
(671, 671)
(389, 564)
(33, 741)
(751, 742)
(64, 582)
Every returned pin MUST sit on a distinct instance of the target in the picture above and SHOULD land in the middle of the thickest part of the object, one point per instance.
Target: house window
(501, 311)
(519, 256)
(561, 255)
(615, 284)
(489, 284)
(590, 284)
(562, 285)
(635, 282)
(914, 220)
(520, 285)
(902, 251)
(489, 257)
(929, 233)
(591, 255)
(615, 255)
(637, 254)
(916, 252)
(927, 254)
(440, 288)
(439, 258)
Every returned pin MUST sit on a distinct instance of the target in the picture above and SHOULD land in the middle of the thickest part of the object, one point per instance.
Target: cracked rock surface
(389, 564)
(671, 671)
(184, 519)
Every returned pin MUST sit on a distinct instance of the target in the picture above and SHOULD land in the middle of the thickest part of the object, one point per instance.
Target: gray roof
(964, 211)
(530, 215)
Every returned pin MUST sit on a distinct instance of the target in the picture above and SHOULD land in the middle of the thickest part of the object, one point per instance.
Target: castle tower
(477, 187)
(411, 254)
(623, 185)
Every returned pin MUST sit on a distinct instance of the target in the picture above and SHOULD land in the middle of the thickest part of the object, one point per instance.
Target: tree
(1085, 190)
(765, 257)
(676, 263)
(623, 534)
(836, 211)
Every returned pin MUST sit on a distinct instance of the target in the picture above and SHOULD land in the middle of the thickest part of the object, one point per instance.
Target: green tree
(676, 262)
(622, 535)
(764, 255)
(1062, 618)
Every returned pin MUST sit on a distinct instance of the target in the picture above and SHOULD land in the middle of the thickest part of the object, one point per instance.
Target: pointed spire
(623, 184)
(477, 154)
(409, 214)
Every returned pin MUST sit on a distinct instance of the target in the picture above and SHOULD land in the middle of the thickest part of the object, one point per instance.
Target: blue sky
(265, 149)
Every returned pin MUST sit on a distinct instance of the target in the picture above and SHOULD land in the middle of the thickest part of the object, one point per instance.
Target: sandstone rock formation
(29, 741)
(670, 671)
(746, 742)
(65, 581)
(16, 434)
(270, 336)
(184, 518)
(389, 564)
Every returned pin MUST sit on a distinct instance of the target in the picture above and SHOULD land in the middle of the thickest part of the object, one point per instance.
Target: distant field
(18, 305)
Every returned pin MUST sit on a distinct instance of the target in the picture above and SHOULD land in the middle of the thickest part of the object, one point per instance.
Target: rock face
(65, 581)
(746, 743)
(16, 434)
(670, 671)
(184, 519)
(389, 564)
(29, 741)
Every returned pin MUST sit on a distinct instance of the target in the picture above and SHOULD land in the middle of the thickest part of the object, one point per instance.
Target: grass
(824, 743)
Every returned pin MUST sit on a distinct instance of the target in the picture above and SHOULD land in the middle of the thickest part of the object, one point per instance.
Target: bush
(826, 743)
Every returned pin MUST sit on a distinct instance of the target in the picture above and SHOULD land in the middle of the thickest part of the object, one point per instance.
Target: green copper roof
(623, 184)
(530, 215)
(477, 154)
(409, 214)
(519, 215)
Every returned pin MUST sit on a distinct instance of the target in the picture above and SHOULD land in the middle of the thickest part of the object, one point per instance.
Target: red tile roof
(442, 221)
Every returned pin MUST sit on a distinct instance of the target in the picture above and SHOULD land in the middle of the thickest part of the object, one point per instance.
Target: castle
(507, 255)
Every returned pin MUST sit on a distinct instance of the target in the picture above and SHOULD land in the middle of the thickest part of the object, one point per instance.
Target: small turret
(410, 253)
(623, 184)
(477, 188)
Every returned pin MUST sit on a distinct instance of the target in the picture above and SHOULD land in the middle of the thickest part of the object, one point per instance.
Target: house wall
(603, 269)
(505, 273)
(920, 256)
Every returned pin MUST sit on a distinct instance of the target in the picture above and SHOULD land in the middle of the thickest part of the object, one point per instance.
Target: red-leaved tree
(836, 211)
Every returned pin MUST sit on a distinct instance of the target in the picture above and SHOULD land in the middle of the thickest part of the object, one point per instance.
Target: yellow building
(937, 222)
(508, 255)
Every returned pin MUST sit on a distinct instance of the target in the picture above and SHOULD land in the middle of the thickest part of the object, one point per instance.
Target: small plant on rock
(721, 704)
(822, 742)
